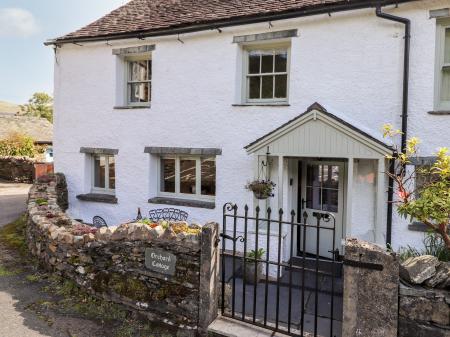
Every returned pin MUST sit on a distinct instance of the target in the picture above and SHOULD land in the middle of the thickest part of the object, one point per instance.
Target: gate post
(371, 281)
(209, 277)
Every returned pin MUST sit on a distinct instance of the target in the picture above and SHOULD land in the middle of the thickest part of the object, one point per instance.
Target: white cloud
(17, 22)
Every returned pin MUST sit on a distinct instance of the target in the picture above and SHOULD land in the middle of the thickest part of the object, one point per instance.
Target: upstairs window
(443, 66)
(139, 81)
(189, 177)
(103, 174)
(266, 75)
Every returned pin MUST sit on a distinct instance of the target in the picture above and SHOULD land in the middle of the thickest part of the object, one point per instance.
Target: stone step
(227, 327)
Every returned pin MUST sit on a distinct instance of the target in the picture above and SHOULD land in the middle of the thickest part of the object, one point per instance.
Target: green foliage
(13, 235)
(5, 272)
(39, 105)
(17, 145)
(41, 201)
(431, 203)
(434, 245)
(256, 254)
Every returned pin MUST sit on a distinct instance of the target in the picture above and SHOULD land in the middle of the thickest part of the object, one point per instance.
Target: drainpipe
(404, 127)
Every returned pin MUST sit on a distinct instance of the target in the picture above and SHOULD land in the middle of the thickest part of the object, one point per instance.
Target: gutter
(404, 127)
(191, 28)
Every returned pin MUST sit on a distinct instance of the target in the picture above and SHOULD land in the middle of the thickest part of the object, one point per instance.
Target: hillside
(6, 107)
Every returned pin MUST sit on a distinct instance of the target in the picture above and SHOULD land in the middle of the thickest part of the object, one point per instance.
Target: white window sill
(125, 107)
(98, 197)
(276, 104)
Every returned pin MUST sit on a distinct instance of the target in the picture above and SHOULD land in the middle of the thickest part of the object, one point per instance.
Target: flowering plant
(262, 189)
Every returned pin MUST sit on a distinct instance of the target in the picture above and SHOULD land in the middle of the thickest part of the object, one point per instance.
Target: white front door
(322, 192)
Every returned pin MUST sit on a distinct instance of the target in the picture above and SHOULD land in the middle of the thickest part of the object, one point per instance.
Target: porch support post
(349, 194)
(378, 230)
(280, 181)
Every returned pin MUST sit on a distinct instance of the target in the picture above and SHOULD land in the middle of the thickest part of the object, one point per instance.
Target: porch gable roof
(346, 139)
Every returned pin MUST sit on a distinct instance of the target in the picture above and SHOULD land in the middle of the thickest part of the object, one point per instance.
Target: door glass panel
(330, 200)
(168, 175)
(322, 187)
(313, 175)
(99, 171)
(447, 46)
(330, 176)
(187, 176)
(313, 198)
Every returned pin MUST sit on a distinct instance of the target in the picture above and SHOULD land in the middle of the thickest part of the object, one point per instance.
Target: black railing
(297, 294)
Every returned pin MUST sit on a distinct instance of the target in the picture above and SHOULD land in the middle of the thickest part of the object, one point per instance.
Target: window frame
(198, 184)
(245, 72)
(127, 61)
(441, 26)
(106, 189)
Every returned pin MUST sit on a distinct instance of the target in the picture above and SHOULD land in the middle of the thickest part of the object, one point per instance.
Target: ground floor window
(188, 176)
(103, 174)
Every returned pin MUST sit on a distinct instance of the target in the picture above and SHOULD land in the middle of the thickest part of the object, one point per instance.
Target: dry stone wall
(166, 274)
(378, 303)
(17, 169)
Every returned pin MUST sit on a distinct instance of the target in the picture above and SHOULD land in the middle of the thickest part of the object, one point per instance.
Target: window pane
(254, 84)
(445, 88)
(254, 63)
(281, 86)
(208, 176)
(139, 70)
(267, 87)
(330, 200)
(313, 198)
(187, 176)
(168, 175)
(330, 176)
(139, 92)
(112, 173)
(281, 62)
(447, 46)
(267, 62)
(99, 171)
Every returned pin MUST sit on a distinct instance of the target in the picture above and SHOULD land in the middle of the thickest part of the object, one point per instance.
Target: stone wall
(17, 169)
(111, 262)
(377, 303)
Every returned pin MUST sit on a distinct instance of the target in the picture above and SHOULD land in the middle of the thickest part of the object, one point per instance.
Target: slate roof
(40, 129)
(158, 16)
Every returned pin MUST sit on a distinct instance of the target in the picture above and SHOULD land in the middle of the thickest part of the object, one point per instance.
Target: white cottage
(182, 103)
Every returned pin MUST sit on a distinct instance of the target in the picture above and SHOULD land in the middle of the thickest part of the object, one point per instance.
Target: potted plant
(250, 271)
(262, 189)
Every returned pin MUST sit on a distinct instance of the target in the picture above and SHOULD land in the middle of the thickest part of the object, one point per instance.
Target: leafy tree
(39, 105)
(430, 202)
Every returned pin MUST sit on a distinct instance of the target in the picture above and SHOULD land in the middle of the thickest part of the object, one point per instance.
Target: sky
(26, 65)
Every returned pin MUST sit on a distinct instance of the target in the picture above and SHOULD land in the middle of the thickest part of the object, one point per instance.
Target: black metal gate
(300, 294)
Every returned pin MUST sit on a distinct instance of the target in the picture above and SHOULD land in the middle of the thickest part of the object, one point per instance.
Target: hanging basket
(262, 189)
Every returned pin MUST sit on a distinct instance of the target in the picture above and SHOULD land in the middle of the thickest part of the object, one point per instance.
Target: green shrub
(17, 145)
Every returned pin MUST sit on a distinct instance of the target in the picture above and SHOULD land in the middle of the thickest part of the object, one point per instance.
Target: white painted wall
(350, 61)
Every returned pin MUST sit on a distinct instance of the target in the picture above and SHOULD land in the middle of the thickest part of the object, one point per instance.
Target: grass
(13, 235)
(5, 272)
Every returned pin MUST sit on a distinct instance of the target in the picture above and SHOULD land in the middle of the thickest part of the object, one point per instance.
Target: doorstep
(227, 327)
